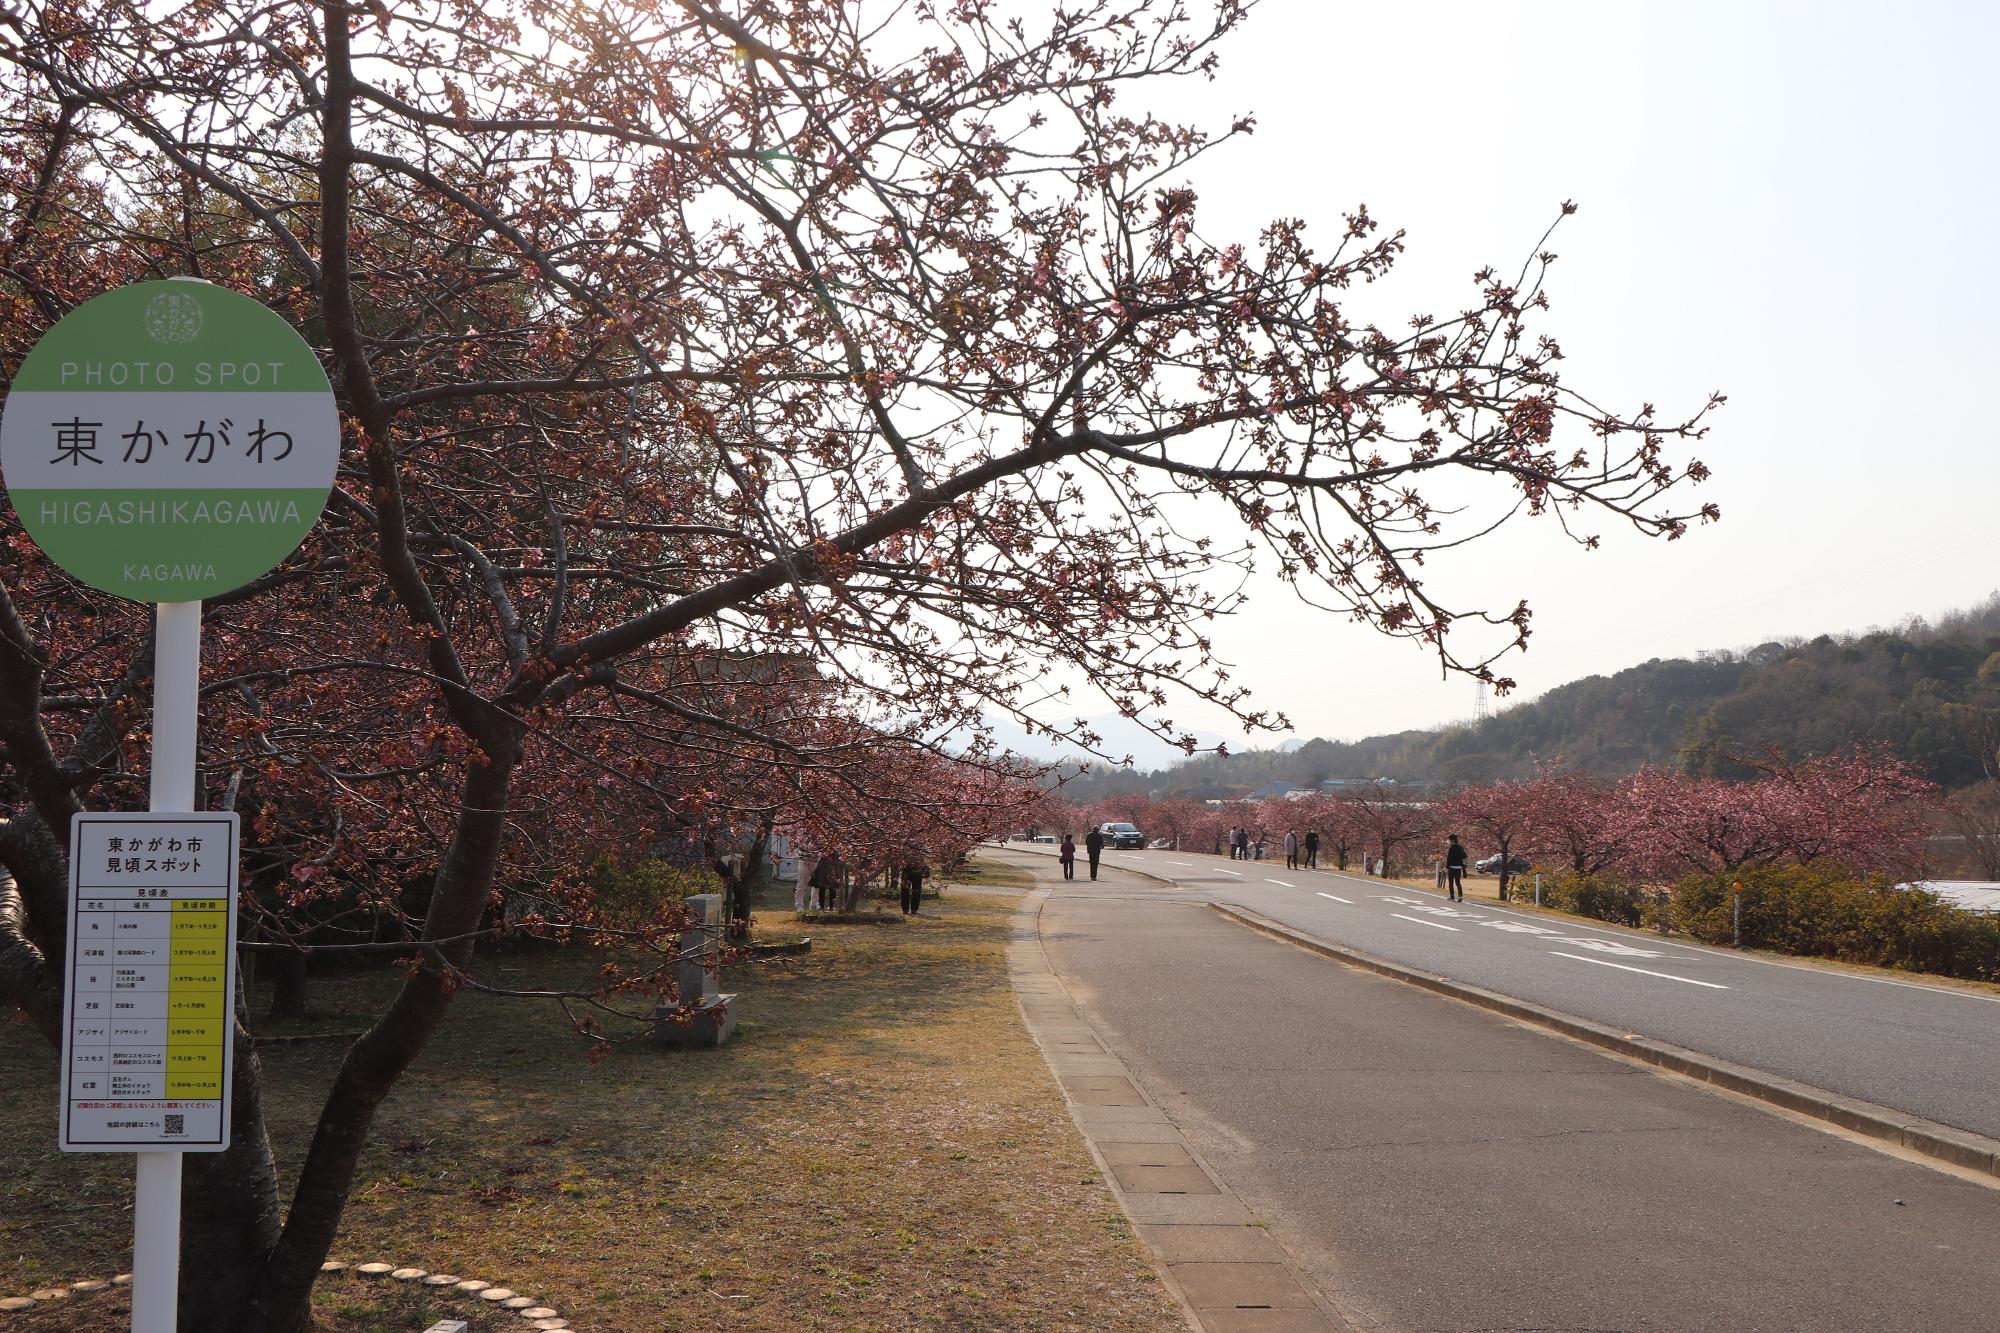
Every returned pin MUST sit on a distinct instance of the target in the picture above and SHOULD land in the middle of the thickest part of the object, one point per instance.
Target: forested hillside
(1932, 691)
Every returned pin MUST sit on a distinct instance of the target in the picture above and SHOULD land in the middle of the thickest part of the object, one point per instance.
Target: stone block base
(695, 1026)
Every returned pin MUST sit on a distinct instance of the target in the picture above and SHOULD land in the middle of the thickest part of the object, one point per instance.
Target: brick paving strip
(1213, 1254)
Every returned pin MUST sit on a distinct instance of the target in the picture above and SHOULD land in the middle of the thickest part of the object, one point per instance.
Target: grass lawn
(880, 1147)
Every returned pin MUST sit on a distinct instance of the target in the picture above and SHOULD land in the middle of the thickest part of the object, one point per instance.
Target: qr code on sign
(176, 1124)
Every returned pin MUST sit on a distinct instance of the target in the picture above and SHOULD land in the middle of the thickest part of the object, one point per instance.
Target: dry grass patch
(881, 1147)
(983, 872)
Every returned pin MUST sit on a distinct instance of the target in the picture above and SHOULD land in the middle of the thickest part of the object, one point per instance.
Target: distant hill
(1930, 690)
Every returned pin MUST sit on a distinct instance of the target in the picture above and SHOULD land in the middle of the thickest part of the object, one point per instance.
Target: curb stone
(536, 1316)
(1219, 1263)
(1942, 1143)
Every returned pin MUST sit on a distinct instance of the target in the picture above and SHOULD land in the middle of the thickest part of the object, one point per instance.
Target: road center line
(1667, 976)
(1237, 873)
(1188, 864)
(1420, 921)
(1282, 883)
(1336, 897)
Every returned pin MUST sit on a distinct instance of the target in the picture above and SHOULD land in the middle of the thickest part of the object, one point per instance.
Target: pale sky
(1792, 203)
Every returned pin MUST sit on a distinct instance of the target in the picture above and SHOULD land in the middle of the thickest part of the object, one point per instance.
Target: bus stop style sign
(169, 441)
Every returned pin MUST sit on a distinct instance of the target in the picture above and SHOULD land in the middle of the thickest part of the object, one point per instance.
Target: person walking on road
(1242, 843)
(1454, 868)
(1093, 842)
(1312, 849)
(1291, 849)
(1067, 855)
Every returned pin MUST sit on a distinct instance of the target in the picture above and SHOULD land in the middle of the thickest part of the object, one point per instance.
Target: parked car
(1516, 865)
(1125, 837)
(1043, 837)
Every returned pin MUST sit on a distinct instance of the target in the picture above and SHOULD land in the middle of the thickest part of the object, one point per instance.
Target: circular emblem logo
(173, 317)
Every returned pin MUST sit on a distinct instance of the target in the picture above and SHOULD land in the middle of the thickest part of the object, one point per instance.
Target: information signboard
(152, 981)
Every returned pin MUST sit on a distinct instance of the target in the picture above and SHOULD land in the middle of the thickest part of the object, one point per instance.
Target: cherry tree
(673, 344)
(1341, 832)
(1575, 820)
(1973, 817)
(1502, 814)
(1386, 820)
(1864, 810)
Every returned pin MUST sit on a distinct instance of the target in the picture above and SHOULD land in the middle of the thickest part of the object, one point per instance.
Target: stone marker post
(703, 1016)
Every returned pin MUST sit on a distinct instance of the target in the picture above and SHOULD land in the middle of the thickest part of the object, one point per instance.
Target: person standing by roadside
(1312, 849)
(1242, 843)
(913, 887)
(1093, 842)
(1067, 855)
(1291, 849)
(1454, 868)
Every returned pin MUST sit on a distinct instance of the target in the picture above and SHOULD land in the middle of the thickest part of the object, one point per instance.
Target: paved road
(1434, 1166)
(1930, 1051)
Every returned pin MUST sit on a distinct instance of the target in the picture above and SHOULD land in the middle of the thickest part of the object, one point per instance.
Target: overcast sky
(1792, 203)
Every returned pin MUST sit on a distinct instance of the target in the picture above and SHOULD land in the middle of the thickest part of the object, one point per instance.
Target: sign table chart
(152, 976)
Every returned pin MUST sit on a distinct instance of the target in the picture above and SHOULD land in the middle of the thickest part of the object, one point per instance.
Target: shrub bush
(1823, 911)
(1606, 896)
(639, 892)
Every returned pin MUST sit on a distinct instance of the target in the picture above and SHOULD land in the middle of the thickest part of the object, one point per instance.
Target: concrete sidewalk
(1217, 1259)
(1425, 1164)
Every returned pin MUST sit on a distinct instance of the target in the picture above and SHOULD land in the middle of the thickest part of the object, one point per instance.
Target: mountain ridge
(1929, 691)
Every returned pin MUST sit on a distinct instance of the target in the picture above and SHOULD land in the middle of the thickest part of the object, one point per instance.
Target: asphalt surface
(1930, 1051)
(1431, 1165)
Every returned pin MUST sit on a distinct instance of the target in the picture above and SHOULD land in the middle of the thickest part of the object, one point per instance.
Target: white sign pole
(156, 1214)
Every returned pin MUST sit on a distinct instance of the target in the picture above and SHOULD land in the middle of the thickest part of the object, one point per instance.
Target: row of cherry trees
(674, 338)
(1864, 810)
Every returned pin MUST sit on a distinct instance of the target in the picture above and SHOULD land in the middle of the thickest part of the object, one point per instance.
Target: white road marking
(1667, 976)
(1336, 897)
(1188, 864)
(1237, 873)
(1435, 925)
(1676, 944)
(1281, 883)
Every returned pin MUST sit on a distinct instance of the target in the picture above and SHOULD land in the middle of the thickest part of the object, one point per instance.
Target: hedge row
(1815, 910)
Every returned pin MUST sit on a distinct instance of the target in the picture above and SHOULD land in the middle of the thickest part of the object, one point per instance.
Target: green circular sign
(169, 441)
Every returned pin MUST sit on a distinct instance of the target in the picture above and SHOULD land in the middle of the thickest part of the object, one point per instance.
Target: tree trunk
(229, 1210)
(287, 971)
(281, 1301)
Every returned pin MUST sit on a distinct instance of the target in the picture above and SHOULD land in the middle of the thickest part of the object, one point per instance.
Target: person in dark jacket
(1454, 868)
(1312, 849)
(913, 887)
(1093, 842)
(826, 879)
(1066, 854)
